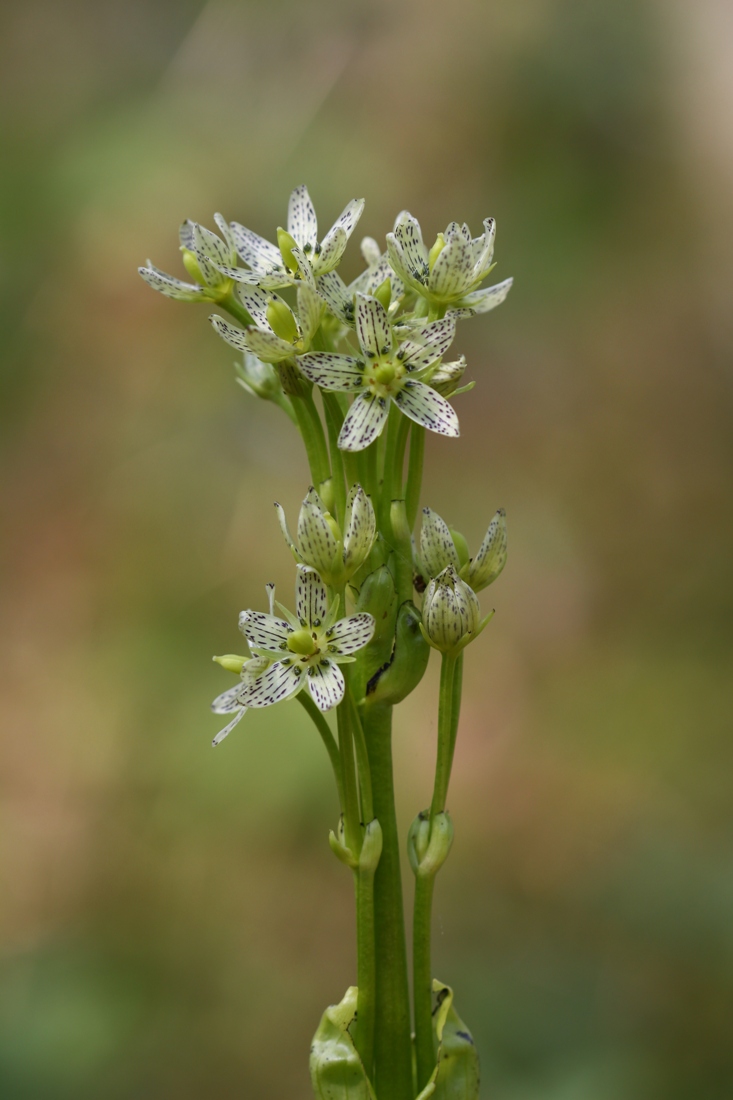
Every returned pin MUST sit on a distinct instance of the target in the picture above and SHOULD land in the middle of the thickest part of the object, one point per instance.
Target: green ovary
(302, 642)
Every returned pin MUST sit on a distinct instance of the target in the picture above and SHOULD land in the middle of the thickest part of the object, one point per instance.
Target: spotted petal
(331, 251)
(372, 326)
(172, 287)
(337, 297)
(451, 274)
(264, 631)
(491, 558)
(348, 218)
(223, 226)
(427, 343)
(311, 599)
(210, 245)
(273, 280)
(316, 541)
(228, 701)
(485, 250)
(302, 221)
(481, 301)
(409, 235)
(256, 300)
(398, 262)
(426, 407)
(258, 253)
(281, 680)
(228, 728)
(349, 635)
(364, 422)
(267, 346)
(326, 684)
(342, 373)
(310, 308)
(361, 528)
(236, 337)
(437, 549)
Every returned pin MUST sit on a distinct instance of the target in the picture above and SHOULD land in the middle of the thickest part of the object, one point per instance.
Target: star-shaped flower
(336, 555)
(277, 334)
(204, 254)
(298, 255)
(386, 374)
(448, 276)
(305, 649)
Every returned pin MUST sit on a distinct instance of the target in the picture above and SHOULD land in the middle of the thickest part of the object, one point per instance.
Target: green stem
(371, 473)
(414, 472)
(327, 737)
(334, 420)
(352, 816)
(362, 759)
(366, 1002)
(448, 706)
(394, 456)
(392, 1041)
(235, 309)
(311, 430)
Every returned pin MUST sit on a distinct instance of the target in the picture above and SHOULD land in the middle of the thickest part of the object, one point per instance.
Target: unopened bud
(231, 662)
(491, 558)
(286, 243)
(383, 293)
(451, 616)
(191, 265)
(371, 848)
(281, 320)
(428, 844)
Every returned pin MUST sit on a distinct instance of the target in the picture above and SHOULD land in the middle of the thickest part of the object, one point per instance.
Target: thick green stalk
(394, 456)
(392, 1041)
(366, 1002)
(424, 884)
(414, 472)
(314, 438)
(334, 420)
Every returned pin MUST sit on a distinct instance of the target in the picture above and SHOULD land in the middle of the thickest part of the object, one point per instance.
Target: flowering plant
(375, 353)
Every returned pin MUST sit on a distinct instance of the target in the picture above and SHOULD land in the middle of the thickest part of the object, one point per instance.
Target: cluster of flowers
(380, 340)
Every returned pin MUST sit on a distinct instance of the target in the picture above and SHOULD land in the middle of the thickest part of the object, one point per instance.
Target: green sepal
(457, 1069)
(337, 1071)
(428, 845)
(397, 678)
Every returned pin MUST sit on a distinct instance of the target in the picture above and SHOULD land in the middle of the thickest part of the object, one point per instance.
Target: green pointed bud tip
(460, 544)
(191, 265)
(302, 643)
(436, 250)
(439, 843)
(371, 848)
(325, 492)
(383, 293)
(457, 1073)
(417, 839)
(281, 320)
(286, 243)
(342, 853)
(231, 662)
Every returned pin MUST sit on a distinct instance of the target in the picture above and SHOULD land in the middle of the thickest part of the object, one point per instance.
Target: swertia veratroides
(375, 351)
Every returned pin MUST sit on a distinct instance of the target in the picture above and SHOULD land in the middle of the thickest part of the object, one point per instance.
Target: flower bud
(191, 265)
(371, 848)
(231, 662)
(321, 544)
(395, 680)
(428, 846)
(286, 243)
(437, 548)
(446, 378)
(360, 530)
(336, 1069)
(383, 293)
(339, 847)
(491, 558)
(451, 616)
(281, 320)
(260, 379)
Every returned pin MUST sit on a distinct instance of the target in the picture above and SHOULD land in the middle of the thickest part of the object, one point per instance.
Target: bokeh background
(173, 922)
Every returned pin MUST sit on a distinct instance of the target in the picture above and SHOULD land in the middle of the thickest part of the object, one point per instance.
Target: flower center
(384, 376)
(303, 642)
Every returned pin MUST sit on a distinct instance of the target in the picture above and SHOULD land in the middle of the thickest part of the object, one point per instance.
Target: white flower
(277, 334)
(438, 550)
(203, 256)
(386, 374)
(321, 544)
(298, 254)
(448, 275)
(306, 650)
(451, 616)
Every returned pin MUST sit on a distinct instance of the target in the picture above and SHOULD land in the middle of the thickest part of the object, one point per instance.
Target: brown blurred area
(173, 922)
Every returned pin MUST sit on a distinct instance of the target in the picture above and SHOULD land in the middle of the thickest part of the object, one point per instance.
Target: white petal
(453, 268)
(286, 530)
(305, 271)
(236, 337)
(260, 254)
(486, 251)
(311, 599)
(428, 408)
(349, 635)
(398, 262)
(267, 281)
(330, 252)
(302, 221)
(361, 528)
(492, 555)
(228, 729)
(170, 286)
(339, 300)
(408, 233)
(211, 245)
(342, 373)
(326, 684)
(255, 301)
(264, 631)
(364, 422)
(349, 217)
(223, 227)
(278, 682)
(310, 308)
(228, 701)
(436, 545)
(316, 542)
(375, 275)
(370, 250)
(481, 301)
(428, 343)
(372, 326)
(267, 346)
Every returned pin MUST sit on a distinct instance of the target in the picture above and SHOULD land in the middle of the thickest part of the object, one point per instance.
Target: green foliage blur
(173, 922)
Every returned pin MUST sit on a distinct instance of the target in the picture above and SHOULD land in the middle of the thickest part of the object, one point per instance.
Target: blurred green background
(173, 922)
